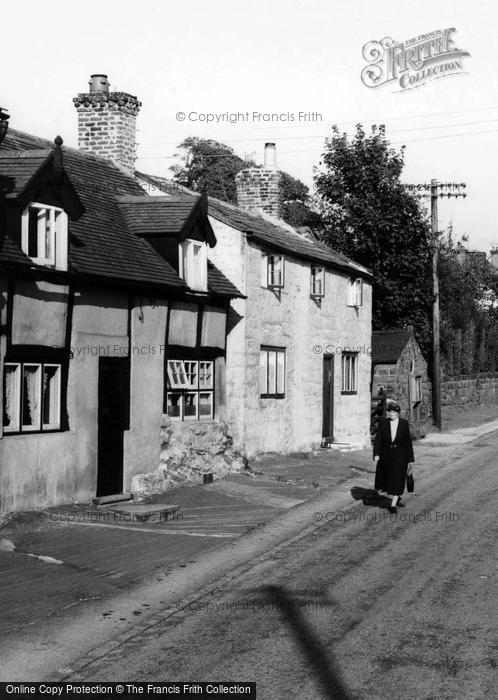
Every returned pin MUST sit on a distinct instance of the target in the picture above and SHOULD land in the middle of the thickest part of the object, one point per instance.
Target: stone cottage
(399, 373)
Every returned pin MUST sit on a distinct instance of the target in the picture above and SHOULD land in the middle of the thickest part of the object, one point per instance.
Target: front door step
(114, 498)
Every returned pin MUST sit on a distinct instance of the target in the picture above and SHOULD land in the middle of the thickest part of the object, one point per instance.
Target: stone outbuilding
(399, 373)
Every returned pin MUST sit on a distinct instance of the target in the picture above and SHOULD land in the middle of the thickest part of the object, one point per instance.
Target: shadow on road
(311, 647)
(370, 497)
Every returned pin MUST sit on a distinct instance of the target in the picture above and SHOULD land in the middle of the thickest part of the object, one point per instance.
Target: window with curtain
(272, 372)
(32, 397)
(349, 373)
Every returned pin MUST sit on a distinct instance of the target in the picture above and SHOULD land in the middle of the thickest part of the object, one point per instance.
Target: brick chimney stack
(260, 188)
(107, 123)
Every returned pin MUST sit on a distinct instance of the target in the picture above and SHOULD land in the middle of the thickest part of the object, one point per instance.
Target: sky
(301, 60)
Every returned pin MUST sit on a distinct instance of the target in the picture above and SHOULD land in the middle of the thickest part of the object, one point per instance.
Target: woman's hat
(393, 407)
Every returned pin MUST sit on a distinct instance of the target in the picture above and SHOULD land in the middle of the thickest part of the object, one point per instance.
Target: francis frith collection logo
(414, 62)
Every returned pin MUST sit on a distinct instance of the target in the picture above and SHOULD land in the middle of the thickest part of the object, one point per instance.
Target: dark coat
(394, 457)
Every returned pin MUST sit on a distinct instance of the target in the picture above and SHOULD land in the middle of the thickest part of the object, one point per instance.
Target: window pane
(263, 372)
(11, 397)
(31, 397)
(280, 372)
(51, 396)
(190, 405)
(206, 404)
(205, 375)
(173, 401)
(176, 374)
(33, 233)
(272, 374)
(275, 268)
(191, 374)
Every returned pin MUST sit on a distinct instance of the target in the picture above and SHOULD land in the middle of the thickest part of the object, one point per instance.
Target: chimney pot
(270, 162)
(98, 83)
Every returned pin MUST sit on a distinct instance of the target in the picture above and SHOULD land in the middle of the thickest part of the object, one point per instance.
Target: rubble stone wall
(188, 451)
(471, 389)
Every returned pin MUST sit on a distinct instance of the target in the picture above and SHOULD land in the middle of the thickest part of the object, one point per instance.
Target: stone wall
(470, 389)
(188, 451)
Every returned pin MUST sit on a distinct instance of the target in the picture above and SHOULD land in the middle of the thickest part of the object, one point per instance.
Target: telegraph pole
(436, 349)
(436, 188)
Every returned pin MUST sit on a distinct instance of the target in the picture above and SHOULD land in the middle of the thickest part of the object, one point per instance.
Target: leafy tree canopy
(370, 216)
(468, 287)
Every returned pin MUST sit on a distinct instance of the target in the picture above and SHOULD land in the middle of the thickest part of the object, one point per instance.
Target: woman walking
(393, 454)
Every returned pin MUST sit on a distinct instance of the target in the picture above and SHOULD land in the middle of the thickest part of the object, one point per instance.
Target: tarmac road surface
(360, 604)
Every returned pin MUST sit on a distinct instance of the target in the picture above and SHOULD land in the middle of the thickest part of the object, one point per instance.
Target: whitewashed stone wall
(295, 322)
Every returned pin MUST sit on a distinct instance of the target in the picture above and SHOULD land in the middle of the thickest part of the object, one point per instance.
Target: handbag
(410, 483)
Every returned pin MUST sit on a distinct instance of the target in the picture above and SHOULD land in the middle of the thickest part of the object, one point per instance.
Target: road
(360, 605)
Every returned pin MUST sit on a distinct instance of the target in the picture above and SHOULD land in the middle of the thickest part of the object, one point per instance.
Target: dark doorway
(328, 400)
(113, 418)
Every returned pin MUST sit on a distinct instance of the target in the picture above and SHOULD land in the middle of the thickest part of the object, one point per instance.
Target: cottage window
(317, 282)
(272, 372)
(32, 397)
(190, 393)
(356, 292)
(44, 234)
(349, 373)
(193, 264)
(272, 271)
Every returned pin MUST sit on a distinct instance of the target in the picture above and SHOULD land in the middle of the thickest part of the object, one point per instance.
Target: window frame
(191, 387)
(279, 373)
(349, 373)
(356, 293)
(58, 233)
(186, 267)
(20, 427)
(268, 275)
(313, 282)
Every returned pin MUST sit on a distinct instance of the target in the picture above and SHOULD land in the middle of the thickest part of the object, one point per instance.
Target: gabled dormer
(40, 205)
(178, 229)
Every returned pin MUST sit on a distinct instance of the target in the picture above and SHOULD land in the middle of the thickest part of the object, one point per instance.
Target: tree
(209, 165)
(468, 286)
(212, 166)
(370, 216)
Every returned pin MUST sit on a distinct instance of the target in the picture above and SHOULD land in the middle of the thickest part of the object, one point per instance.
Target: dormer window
(272, 271)
(317, 283)
(356, 292)
(193, 264)
(44, 235)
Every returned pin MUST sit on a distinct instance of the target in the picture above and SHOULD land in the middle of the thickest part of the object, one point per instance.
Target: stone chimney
(107, 123)
(260, 188)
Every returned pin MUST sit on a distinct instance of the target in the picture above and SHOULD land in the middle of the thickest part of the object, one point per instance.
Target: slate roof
(149, 215)
(22, 165)
(101, 243)
(387, 346)
(281, 238)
